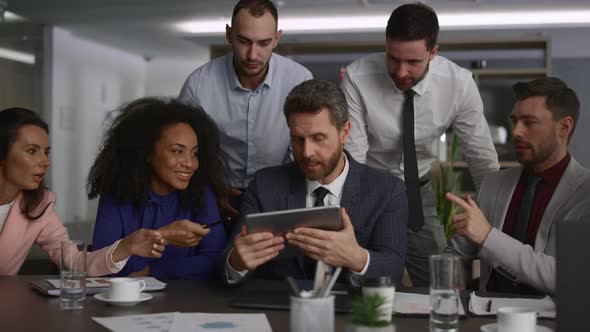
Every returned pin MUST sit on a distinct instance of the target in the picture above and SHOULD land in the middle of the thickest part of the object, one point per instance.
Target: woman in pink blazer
(27, 213)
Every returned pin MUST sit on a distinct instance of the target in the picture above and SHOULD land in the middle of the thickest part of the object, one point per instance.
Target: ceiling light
(448, 21)
(10, 16)
(17, 56)
(516, 19)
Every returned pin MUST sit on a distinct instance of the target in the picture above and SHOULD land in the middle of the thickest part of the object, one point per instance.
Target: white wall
(165, 76)
(83, 81)
(86, 80)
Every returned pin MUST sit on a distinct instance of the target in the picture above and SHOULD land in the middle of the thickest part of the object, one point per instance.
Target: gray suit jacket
(375, 201)
(519, 262)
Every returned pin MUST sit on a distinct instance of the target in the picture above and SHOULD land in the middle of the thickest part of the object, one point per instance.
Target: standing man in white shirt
(400, 103)
(244, 92)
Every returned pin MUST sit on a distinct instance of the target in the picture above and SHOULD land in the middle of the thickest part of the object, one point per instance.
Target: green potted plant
(367, 315)
(447, 181)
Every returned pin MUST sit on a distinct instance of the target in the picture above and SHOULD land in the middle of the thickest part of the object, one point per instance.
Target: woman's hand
(144, 242)
(192, 235)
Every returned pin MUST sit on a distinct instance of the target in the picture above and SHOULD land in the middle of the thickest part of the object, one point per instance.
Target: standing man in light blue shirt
(244, 92)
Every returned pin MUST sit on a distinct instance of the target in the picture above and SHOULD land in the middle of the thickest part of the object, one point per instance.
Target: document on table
(191, 322)
(138, 323)
(479, 305)
(415, 304)
(185, 322)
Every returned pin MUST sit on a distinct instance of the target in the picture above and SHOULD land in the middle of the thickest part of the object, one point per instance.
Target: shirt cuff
(365, 268)
(115, 267)
(232, 276)
(355, 278)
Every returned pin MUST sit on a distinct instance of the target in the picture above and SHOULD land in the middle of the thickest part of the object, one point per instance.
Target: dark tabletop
(24, 309)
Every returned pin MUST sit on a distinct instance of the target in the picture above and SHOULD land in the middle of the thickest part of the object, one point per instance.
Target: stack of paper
(479, 305)
(93, 285)
(415, 304)
(185, 322)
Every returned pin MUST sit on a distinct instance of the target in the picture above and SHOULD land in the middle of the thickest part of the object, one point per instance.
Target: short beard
(540, 156)
(331, 165)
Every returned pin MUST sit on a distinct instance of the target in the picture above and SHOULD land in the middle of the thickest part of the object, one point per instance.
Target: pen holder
(312, 314)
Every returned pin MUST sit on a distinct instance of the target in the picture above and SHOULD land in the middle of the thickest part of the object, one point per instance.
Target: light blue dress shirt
(253, 130)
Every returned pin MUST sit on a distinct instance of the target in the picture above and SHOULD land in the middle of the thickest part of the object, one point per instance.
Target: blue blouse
(114, 222)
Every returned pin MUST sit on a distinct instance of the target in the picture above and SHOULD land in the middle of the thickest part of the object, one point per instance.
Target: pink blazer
(19, 234)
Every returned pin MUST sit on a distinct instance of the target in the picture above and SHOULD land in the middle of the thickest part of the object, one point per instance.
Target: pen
(489, 306)
(320, 275)
(293, 285)
(326, 291)
(218, 222)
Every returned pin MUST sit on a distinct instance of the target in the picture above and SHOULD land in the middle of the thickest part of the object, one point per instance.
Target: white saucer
(493, 328)
(123, 303)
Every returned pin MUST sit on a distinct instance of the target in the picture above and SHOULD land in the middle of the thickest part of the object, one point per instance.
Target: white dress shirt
(446, 97)
(333, 197)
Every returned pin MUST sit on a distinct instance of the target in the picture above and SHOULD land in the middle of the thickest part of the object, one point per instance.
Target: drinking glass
(73, 275)
(444, 293)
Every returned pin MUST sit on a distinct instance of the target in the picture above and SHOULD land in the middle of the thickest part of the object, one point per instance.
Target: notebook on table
(93, 285)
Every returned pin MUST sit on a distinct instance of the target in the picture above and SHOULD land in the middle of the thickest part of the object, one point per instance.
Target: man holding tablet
(374, 211)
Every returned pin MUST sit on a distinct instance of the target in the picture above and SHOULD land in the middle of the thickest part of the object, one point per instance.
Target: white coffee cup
(125, 289)
(383, 286)
(514, 319)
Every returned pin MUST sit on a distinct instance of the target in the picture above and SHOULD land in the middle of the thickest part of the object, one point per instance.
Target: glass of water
(73, 275)
(444, 293)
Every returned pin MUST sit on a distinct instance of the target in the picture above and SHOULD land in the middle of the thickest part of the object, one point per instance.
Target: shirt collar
(161, 199)
(422, 86)
(335, 187)
(234, 81)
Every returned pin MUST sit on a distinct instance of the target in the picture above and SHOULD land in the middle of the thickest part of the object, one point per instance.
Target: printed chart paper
(185, 322)
(201, 322)
(138, 323)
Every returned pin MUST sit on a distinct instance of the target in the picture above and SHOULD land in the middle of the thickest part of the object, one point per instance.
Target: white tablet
(281, 222)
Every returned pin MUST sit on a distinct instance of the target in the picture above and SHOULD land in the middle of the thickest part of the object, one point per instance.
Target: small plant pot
(358, 328)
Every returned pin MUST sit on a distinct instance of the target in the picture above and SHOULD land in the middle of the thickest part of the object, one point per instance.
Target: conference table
(25, 309)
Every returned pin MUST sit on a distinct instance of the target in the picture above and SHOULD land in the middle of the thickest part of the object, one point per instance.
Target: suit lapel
(298, 190)
(504, 187)
(504, 196)
(565, 189)
(351, 190)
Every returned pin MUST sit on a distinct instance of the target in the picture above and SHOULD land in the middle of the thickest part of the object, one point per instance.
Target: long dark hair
(11, 120)
(121, 169)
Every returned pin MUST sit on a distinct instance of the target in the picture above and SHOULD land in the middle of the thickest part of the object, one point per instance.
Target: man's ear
(566, 124)
(278, 35)
(345, 132)
(433, 52)
(228, 35)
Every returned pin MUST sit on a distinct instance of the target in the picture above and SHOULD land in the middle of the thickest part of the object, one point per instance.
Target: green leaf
(448, 181)
(366, 310)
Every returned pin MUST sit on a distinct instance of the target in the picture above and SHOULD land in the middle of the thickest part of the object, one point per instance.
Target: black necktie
(524, 213)
(411, 178)
(320, 193)
(309, 263)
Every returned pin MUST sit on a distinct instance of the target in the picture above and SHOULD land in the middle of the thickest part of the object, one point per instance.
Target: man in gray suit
(512, 229)
(372, 241)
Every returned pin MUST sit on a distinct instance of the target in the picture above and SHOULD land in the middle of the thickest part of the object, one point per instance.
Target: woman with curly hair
(160, 168)
(27, 214)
